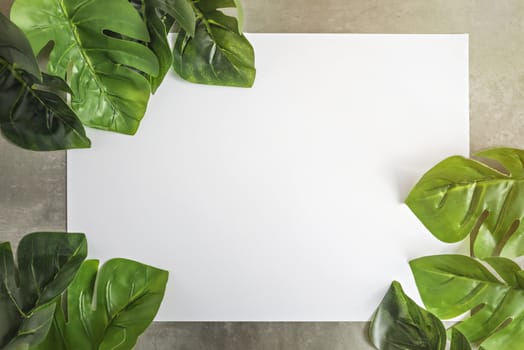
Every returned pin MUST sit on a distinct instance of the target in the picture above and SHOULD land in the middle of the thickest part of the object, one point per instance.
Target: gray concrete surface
(32, 185)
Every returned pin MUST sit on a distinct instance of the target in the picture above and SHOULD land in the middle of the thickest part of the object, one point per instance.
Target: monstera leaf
(32, 115)
(451, 285)
(158, 24)
(399, 323)
(218, 53)
(458, 341)
(461, 196)
(107, 309)
(47, 262)
(98, 47)
(181, 11)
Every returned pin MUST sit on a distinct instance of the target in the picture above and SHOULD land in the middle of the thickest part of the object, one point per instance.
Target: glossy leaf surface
(32, 114)
(460, 196)
(181, 11)
(453, 285)
(107, 309)
(156, 26)
(399, 323)
(218, 53)
(98, 47)
(46, 264)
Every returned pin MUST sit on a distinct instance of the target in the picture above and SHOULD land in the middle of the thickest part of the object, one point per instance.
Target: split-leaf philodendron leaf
(46, 264)
(181, 11)
(97, 46)
(458, 341)
(32, 114)
(452, 285)
(460, 196)
(218, 53)
(399, 323)
(158, 28)
(107, 309)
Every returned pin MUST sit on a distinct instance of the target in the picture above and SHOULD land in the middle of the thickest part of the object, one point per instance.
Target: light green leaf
(452, 285)
(97, 46)
(218, 53)
(47, 262)
(32, 115)
(461, 196)
(399, 323)
(108, 309)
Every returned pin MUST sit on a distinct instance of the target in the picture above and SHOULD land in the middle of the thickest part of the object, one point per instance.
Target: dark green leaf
(460, 196)
(400, 324)
(32, 115)
(181, 10)
(458, 341)
(158, 43)
(98, 47)
(452, 285)
(218, 53)
(108, 309)
(33, 329)
(55, 83)
(212, 5)
(47, 262)
(15, 48)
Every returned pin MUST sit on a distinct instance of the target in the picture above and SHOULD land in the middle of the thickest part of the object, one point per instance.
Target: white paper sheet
(281, 202)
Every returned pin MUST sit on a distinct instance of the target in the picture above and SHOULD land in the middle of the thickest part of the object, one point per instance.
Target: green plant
(46, 264)
(113, 54)
(481, 197)
(399, 323)
(459, 197)
(32, 114)
(59, 301)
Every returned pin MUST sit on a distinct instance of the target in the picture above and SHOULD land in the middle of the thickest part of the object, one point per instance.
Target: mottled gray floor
(32, 185)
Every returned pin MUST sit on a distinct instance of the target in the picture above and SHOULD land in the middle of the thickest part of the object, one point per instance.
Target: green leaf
(211, 5)
(218, 53)
(15, 49)
(458, 341)
(98, 47)
(399, 323)
(181, 10)
(461, 196)
(46, 264)
(158, 43)
(108, 309)
(452, 285)
(32, 115)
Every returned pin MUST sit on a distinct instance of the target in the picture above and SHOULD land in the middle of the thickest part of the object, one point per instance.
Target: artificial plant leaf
(399, 323)
(56, 83)
(33, 329)
(46, 264)
(452, 285)
(32, 115)
(181, 10)
(458, 341)
(15, 49)
(158, 34)
(460, 196)
(218, 53)
(211, 5)
(97, 46)
(108, 309)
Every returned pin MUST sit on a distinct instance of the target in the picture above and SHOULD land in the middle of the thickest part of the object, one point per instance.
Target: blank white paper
(283, 202)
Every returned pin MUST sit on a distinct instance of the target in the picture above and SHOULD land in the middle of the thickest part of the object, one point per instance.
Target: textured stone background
(33, 185)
